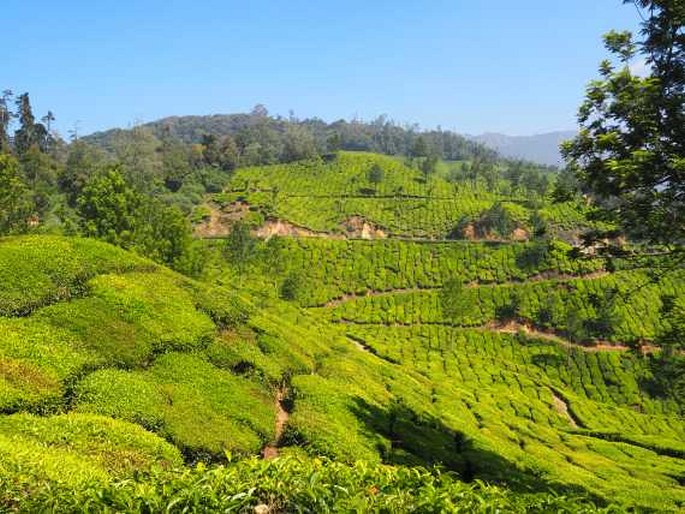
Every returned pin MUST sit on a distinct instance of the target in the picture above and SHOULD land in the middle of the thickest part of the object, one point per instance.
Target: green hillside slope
(333, 195)
(107, 349)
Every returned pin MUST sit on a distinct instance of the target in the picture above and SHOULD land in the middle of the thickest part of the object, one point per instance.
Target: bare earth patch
(271, 451)
(357, 227)
(561, 407)
(221, 220)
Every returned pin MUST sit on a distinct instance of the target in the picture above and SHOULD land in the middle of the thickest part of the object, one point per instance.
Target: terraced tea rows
(623, 307)
(505, 390)
(330, 269)
(323, 195)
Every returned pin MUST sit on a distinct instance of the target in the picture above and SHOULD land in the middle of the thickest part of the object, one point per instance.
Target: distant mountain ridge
(539, 148)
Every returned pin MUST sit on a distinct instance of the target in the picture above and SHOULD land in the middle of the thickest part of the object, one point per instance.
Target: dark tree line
(49, 186)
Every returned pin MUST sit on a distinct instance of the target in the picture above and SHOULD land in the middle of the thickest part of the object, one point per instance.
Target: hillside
(356, 330)
(335, 197)
(259, 138)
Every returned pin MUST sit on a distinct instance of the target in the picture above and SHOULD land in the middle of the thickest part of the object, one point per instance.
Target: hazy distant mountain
(540, 148)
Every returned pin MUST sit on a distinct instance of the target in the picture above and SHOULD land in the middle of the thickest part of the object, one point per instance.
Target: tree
(497, 219)
(138, 152)
(419, 148)
(30, 133)
(5, 119)
(375, 175)
(240, 244)
(290, 288)
(299, 144)
(429, 165)
(112, 210)
(630, 152)
(163, 234)
(108, 207)
(15, 200)
(566, 186)
(82, 162)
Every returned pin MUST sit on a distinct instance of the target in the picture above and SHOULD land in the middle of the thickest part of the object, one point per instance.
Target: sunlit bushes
(202, 409)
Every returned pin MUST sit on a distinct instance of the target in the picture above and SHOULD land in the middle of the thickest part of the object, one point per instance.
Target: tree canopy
(630, 152)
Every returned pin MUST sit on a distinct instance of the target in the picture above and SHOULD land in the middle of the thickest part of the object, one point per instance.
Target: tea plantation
(410, 372)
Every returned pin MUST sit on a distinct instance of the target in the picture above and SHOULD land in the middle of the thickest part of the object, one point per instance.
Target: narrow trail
(540, 277)
(362, 346)
(561, 406)
(271, 451)
(514, 328)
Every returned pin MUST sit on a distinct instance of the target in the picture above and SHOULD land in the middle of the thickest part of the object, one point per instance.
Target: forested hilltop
(258, 138)
(247, 313)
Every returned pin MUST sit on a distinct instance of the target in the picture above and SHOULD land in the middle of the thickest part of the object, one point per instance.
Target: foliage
(139, 346)
(177, 391)
(36, 271)
(112, 210)
(240, 244)
(16, 205)
(289, 484)
(325, 194)
(630, 152)
(118, 448)
(290, 287)
(375, 175)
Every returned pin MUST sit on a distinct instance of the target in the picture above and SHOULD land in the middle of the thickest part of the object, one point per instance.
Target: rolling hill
(372, 359)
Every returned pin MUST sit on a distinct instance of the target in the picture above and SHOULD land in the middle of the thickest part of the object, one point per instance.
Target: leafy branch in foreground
(630, 152)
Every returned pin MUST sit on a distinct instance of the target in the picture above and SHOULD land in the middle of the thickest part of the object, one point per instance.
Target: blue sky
(482, 65)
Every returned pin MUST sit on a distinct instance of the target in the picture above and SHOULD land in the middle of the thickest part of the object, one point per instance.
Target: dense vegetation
(394, 320)
(113, 336)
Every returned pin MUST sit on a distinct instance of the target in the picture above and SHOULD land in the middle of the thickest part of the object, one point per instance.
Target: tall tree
(5, 119)
(82, 161)
(375, 176)
(630, 152)
(30, 133)
(109, 207)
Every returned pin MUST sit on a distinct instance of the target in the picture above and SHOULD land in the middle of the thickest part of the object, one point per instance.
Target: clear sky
(518, 67)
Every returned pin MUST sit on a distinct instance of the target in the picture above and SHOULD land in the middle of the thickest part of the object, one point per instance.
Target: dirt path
(514, 327)
(561, 406)
(270, 451)
(541, 277)
(220, 220)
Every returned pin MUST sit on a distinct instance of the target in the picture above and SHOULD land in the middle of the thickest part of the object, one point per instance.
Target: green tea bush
(129, 317)
(118, 447)
(324, 195)
(289, 484)
(35, 361)
(203, 410)
(38, 270)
